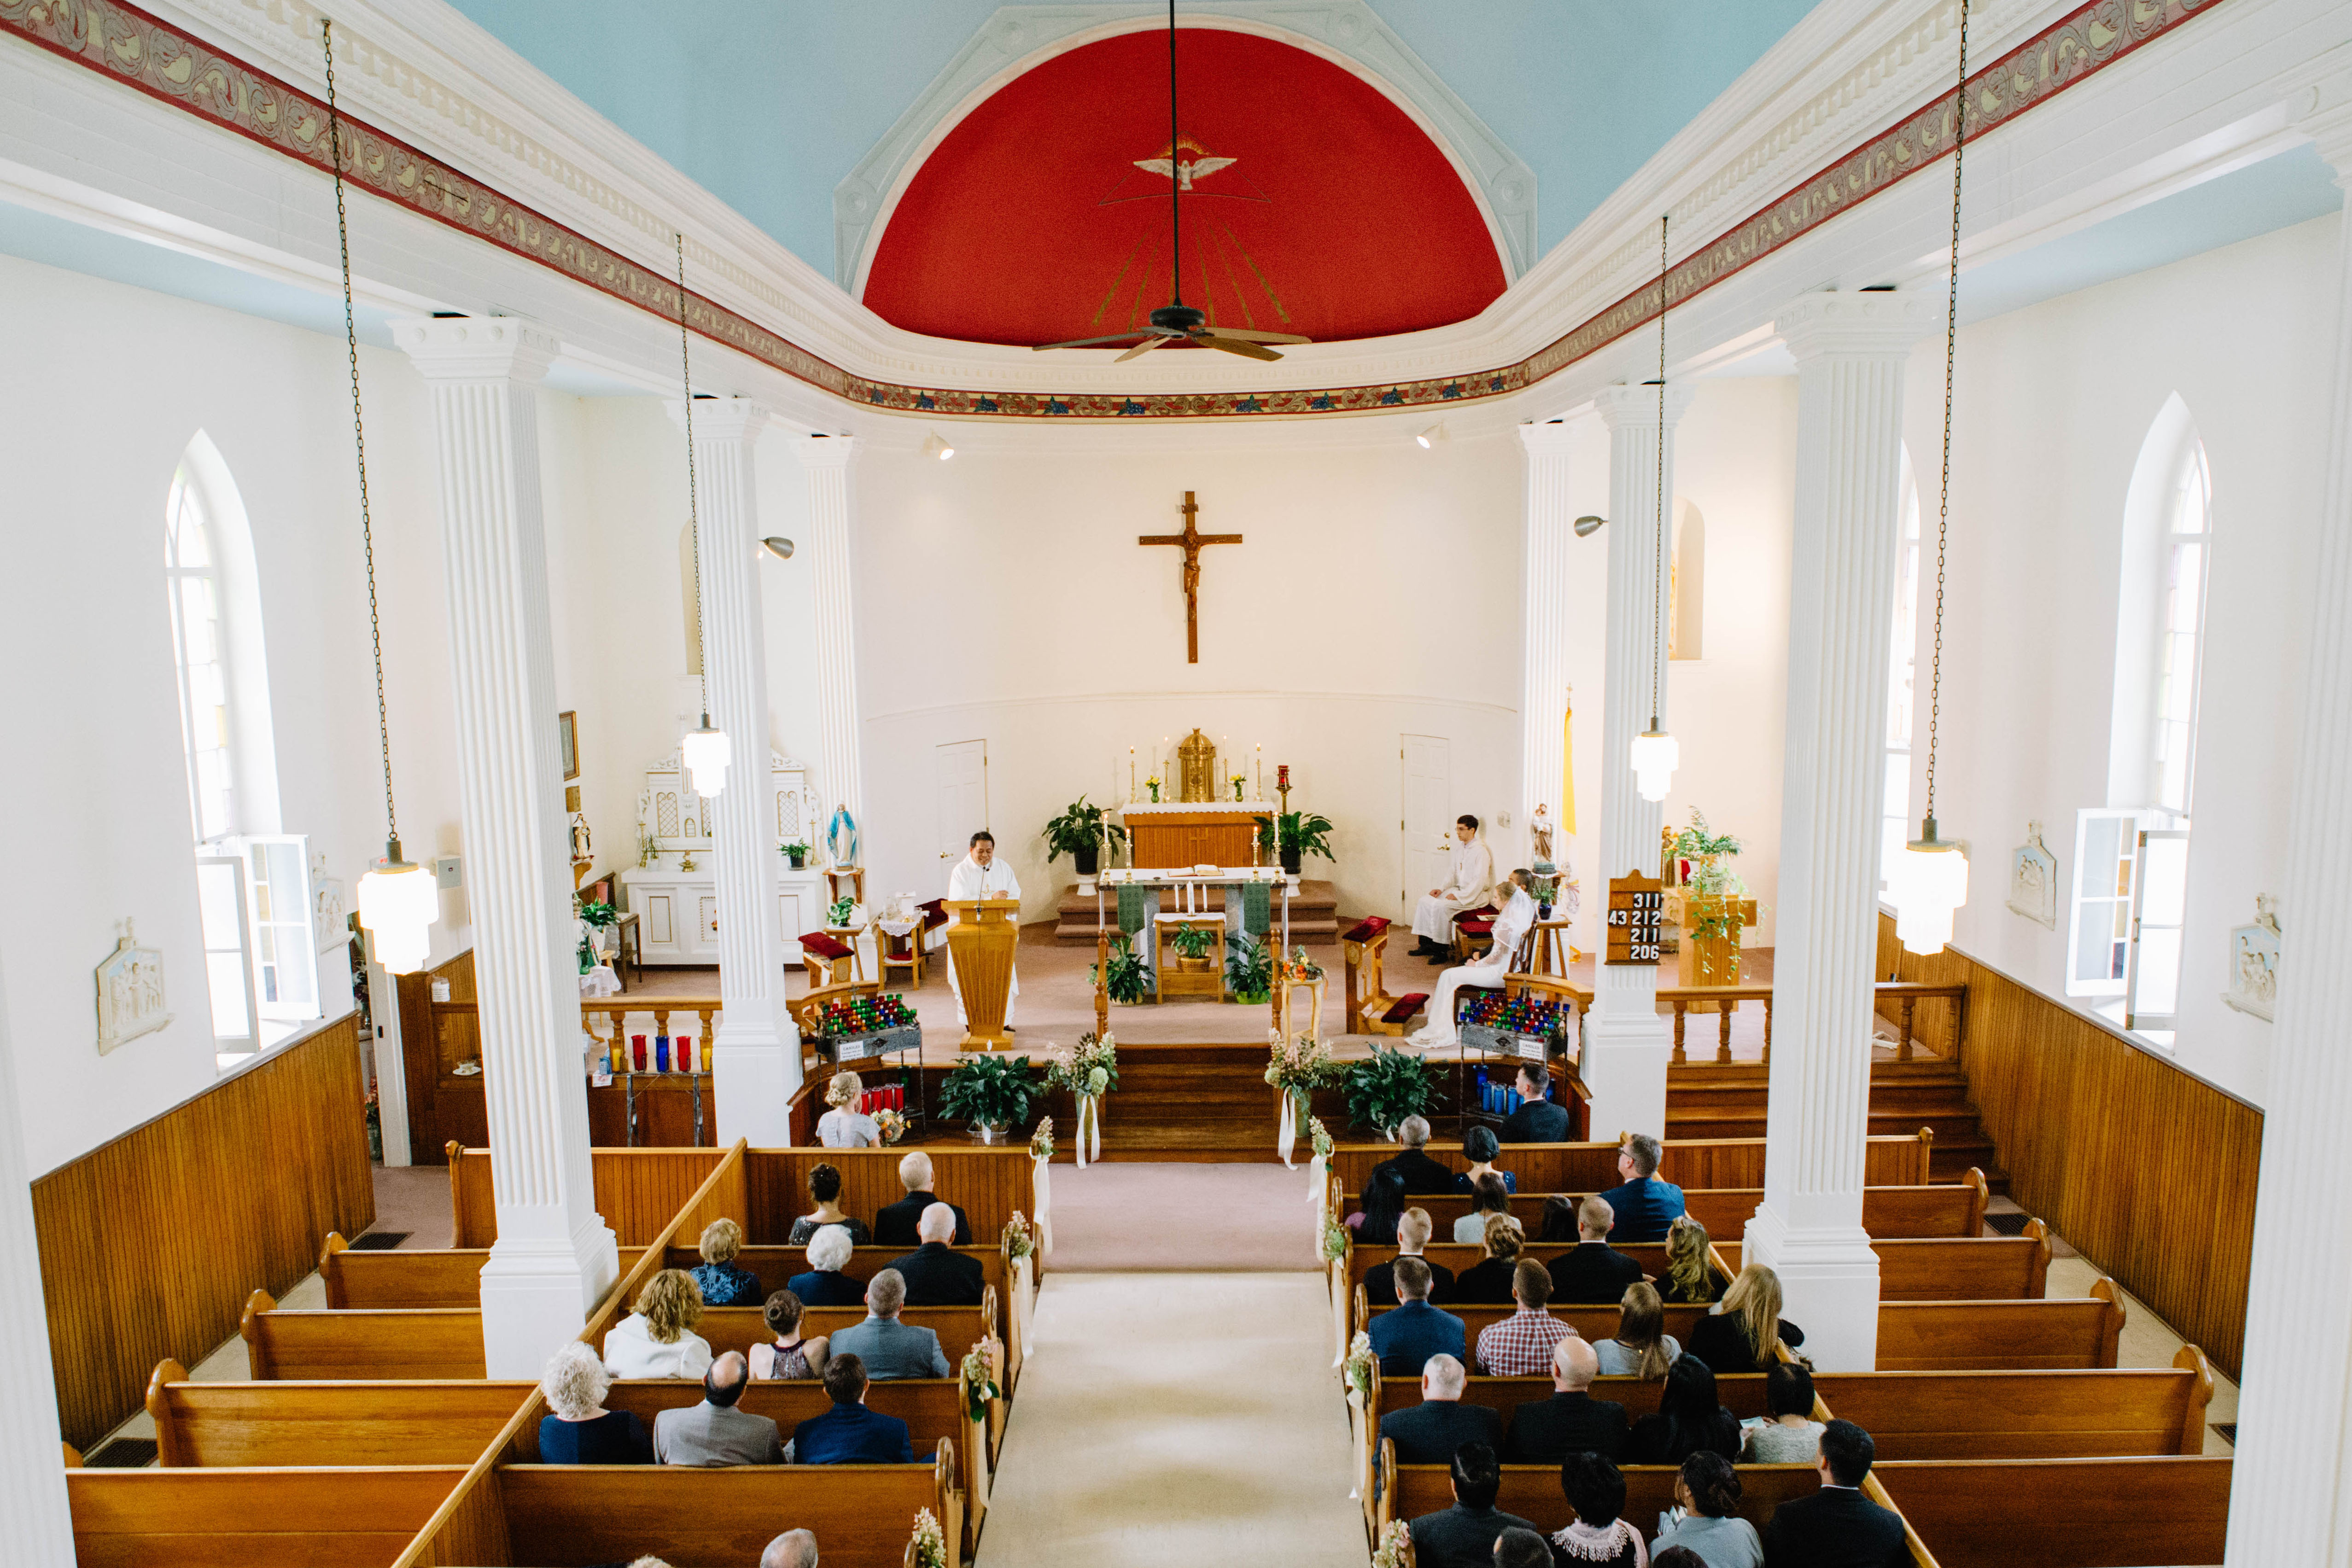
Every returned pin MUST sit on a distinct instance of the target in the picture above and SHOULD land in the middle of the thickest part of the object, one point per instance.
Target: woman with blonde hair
(1643, 1348)
(1690, 1277)
(657, 1340)
(1746, 1327)
(723, 1284)
(1489, 1283)
(579, 1430)
(824, 1190)
(788, 1355)
(845, 1127)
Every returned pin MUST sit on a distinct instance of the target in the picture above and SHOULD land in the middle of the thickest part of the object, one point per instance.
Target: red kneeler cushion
(934, 915)
(1474, 927)
(823, 945)
(1406, 1006)
(1372, 925)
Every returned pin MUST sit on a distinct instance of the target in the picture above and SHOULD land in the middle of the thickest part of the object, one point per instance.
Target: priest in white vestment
(1469, 879)
(980, 874)
(1515, 916)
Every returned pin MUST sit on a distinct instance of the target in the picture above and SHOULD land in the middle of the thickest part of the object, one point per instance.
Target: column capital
(1551, 437)
(2323, 114)
(721, 418)
(476, 347)
(1634, 406)
(826, 451)
(1885, 322)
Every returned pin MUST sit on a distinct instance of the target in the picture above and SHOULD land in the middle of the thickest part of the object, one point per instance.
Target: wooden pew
(421, 1277)
(638, 1192)
(987, 1183)
(1532, 1491)
(370, 1345)
(278, 1424)
(2086, 1513)
(741, 1328)
(1887, 1212)
(1592, 1167)
(346, 1518)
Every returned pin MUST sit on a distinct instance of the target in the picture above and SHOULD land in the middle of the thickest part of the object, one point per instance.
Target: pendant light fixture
(706, 751)
(1929, 880)
(399, 900)
(1656, 753)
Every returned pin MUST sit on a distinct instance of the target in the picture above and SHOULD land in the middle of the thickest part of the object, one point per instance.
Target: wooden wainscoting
(151, 1245)
(2120, 1148)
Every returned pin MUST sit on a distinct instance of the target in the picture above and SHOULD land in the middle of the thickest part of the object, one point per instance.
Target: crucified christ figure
(1191, 540)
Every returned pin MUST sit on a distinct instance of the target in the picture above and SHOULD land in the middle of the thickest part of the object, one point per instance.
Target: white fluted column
(2294, 1403)
(32, 1472)
(1543, 695)
(1850, 350)
(755, 1057)
(1626, 1043)
(554, 1259)
(840, 774)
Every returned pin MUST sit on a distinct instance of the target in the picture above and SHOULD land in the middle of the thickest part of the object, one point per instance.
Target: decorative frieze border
(141, 51)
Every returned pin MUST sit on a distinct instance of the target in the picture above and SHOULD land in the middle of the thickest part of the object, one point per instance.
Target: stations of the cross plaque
(1190, 541)
(1637, 909)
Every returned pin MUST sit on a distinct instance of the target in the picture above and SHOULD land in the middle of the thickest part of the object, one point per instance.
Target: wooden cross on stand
(1192, 540)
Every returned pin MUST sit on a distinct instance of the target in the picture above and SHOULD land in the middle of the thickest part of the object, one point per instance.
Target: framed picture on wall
(2253, 961)
(2034, 878)
(566, 727)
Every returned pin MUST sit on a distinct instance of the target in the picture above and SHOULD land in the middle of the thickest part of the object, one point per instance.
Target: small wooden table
(626, 948)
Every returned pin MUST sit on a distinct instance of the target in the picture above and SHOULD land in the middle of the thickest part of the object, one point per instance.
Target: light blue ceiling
(768, 104)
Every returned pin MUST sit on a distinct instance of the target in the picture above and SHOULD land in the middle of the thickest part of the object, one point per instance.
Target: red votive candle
(637, 1049)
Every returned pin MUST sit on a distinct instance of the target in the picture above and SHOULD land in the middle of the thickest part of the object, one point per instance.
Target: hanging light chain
(693, 505)
(1658, 567)
(359, 430)
(1952, 350)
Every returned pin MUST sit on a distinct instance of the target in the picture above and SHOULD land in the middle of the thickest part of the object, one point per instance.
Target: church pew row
(1966, 1513)
(321, 1518)
(1985, 1268)
(1888, 1213)
(1913, 1336)
(639, 1192)
(1592, 1167)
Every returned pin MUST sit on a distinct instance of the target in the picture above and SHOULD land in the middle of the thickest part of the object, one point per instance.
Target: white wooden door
(962, 771)
(1428, 765)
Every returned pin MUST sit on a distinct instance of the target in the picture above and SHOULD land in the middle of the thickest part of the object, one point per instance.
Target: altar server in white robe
(1469, 879)
(1515, 916)
(980, 874)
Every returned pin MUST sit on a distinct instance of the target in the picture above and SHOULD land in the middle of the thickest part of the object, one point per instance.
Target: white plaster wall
(2053, 404)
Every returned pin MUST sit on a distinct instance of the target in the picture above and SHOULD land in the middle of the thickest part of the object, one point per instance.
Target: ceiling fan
(1177, 322)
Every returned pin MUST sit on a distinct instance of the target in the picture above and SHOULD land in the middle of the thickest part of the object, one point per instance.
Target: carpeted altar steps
(1314, 914)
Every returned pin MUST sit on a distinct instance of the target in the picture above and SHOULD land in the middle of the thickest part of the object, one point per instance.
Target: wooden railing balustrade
(1907, 995)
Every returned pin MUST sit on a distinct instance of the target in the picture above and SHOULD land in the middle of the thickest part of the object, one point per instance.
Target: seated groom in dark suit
(1464, 1536)
(1430, 1432)
(1546, 1431)
(1837, 1527)
(936, 1275)
(897, 1224)
(1592, 1272)
(850, 1434)
(1406, 1337)
(1539, 1120)
(1644, 1206)
(1414, 1230)
(1423, 1176)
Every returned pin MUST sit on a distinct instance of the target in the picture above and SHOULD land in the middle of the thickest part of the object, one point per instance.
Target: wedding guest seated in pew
(1382, 1204)
(1412, 1235)
(1677, 1557)
(1487, 1198)
(1464, 1536)
(1789, 1434)
(723, 1284)
(1740, 1333)
(1689, 1277)
(845, 1126)
(897, 1223)
(848, 1433)
(884, 1347)
(1488, 1282)
(1430, 1432)
(1601, 1534)
(1481, 1148)
(792, 1549)
(1521, 1344)
(936, 1275)
(1558, 1221)
(1644, 1206)
(1421, 1175)
(1546, 1431)
(1837, 1527)
(1593, 1270)
(657, 1340)
(1406, 1338)
(824, 1190)
(714, 1432)
(1704, 1520)
(580, 1431)
(1643, 1348)
(1689, 1417)
(788, 1355)
(1522, 1549)
(825, 1285)
(1537, 1121)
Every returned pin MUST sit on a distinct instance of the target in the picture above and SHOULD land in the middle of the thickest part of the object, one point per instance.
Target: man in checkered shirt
(1521, 1344)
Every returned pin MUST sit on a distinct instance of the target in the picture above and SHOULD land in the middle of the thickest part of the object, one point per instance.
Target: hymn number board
(1637, 907)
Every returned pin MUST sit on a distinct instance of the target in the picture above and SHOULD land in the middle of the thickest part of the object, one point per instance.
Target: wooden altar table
(1193, 832)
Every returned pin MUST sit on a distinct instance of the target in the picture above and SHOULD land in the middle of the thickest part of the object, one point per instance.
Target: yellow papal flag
(1567, 766)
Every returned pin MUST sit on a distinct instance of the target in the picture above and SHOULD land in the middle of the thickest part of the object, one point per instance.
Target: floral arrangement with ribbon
(1041, 1142)
(1298, 1066)
(931, 1544)
(1361, 1363)
(1090, 1071)
(1319, 1141)
(979, 1381)
(1396, 1545)
(1018, 1242)
(1335, 1239)
(1041, 1164)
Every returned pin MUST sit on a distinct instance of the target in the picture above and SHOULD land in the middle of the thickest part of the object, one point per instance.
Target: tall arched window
(1894, 829)
(191, 566)
(2188, 524)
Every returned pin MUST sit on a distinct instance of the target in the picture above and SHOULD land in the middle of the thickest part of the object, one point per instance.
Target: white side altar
(677, 908)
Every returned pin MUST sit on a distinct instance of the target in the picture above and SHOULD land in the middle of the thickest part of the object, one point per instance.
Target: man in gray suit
(714, 1432)
(888, 1347)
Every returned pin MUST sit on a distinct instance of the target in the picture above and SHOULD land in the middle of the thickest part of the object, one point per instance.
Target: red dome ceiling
(1315, 206)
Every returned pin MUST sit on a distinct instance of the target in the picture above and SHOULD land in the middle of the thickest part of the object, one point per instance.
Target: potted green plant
(1385, 1088)
(1081, 832)
(1302, 833)
(994, 1092)
(1130, 976)
(601, 918)
(1249, 972)
(840, 910)
(1192, 944)
(797, 853)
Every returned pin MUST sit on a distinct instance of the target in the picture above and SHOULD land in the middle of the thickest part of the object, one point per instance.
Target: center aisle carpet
(1184, 1422)
(1180, 1218)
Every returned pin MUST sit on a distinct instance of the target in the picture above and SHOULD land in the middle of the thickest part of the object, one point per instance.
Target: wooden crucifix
(1192, 540)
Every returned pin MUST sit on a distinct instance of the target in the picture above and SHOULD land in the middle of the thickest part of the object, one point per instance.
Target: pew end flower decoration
(1318, 1140)
(979, 1380)
(1396, 1546)
(1017, 1241)
(1090, 1068)
(1041, 1142)
(1300, 1065)
(1335, 1239)
(929, 1547)
(1359, 1365)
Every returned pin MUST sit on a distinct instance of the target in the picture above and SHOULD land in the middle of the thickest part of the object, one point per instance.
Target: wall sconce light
(1588, 526)
(1432, 436)
(935, 448)
(778, 545)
